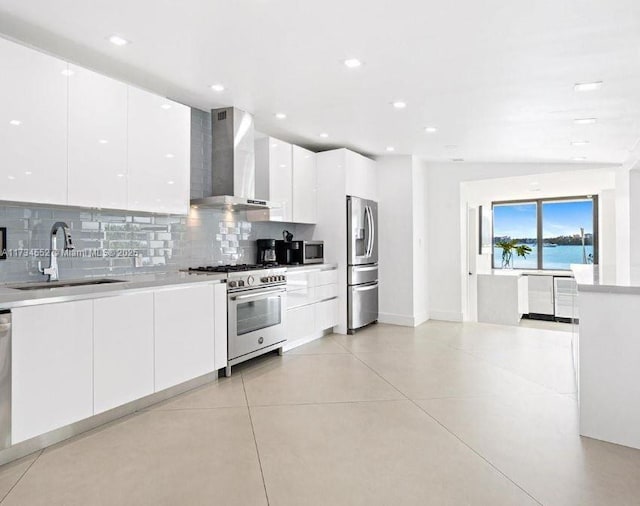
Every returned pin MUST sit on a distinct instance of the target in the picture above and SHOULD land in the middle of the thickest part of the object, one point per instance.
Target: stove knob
(264, 279)
(250, 280)
(232, 284)
(240, 282)
(272, 279)
(283, 278)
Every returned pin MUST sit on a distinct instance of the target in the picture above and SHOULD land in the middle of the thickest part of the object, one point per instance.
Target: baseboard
(305, 340)
(420, 319)
(447, 316)
(396, 319)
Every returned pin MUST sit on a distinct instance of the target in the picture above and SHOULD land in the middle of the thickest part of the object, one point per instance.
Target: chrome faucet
(52, 270)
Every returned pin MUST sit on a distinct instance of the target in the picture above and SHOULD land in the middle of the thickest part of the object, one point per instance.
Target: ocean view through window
(559, 232)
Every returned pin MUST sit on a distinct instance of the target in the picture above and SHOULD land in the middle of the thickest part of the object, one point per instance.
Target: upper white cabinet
(274, 177)
(305, 186)
(123, 350)
(33, 126)
(361, 176)
(52, 367)
(159, 134)
(69, 136)
(97, 140)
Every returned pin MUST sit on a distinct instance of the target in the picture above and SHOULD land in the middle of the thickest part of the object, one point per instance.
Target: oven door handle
(257, 295)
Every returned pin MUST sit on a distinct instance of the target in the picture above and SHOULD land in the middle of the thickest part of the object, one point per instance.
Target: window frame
(539, 227)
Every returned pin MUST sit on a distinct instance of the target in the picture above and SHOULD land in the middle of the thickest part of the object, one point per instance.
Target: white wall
(634, 225)
(402, 220)
(446, 212)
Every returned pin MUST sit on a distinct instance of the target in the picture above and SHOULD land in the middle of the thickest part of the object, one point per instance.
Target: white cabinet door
(33, 126)
(97, 140)
(361, 176)
(305, 186)
(300, 323)
(220, 317)
(274, 178)
(158, 160)
(184, 334)
(541, 295)
(326, 315)
(52, 373)
(123, 350)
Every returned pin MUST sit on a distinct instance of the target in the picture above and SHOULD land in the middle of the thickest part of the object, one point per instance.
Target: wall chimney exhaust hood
(233, 163)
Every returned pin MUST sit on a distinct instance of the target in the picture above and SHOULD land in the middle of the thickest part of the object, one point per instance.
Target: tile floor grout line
(499, 471)
(255, 440)
(21, 476)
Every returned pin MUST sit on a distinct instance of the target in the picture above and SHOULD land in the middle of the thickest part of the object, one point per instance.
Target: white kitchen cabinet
(326, 314)
(33, 126)
(184, 334)
(220, 323)
(274, 176)
(52, 357)
(541, 299)
(566, 303)
(361, 176)
(123, 350)
(97, 140)
(305, 186)
(301, 323)
(158, 158)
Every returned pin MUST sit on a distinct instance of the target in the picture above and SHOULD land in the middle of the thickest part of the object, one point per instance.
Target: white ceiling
(495, 76)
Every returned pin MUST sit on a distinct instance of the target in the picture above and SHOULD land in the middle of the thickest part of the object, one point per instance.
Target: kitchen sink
(65, 284)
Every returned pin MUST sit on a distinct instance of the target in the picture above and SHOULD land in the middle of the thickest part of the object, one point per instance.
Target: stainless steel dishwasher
(5, 379)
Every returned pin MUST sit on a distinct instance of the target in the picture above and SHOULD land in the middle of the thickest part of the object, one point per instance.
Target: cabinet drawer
(326, 292)
(297, 298)
(326, 314)
(300, 280)
(300, 322)
(322, 278)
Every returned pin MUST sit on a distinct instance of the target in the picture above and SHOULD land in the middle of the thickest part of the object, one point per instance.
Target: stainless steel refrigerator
(362, 262)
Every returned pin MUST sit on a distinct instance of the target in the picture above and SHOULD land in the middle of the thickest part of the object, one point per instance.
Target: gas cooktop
(233, 268)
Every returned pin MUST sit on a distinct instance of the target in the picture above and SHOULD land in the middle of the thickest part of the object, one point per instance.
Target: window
(558, 232)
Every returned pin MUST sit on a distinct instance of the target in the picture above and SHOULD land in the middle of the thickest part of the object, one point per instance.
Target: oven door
(256, 320)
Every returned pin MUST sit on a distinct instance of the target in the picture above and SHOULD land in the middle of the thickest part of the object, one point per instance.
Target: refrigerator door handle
(372, 231)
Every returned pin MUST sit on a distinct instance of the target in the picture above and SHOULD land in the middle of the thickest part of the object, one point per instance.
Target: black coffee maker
(266, 251)
(288, 250)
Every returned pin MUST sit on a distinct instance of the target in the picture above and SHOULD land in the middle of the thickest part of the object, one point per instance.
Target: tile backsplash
(131, 243)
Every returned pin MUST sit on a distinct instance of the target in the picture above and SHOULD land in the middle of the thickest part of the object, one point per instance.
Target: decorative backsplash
(121, 243)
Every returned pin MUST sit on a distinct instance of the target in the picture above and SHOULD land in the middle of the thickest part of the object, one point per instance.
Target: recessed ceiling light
(324, 135)
(165, 106)
(67, 72)
(28, 173)
(281, 115)
(217, 87)
(585, 121)
(118, 40)
(15, 122)
(283, 165)
(430, 129)
(595, 85)
(579, 158)
(11, 177)
(390, 148)
(170, 182)
(103, 141)
(169, 155)
(579, 143)
(399, 104)
(352, 63)
(122, 175)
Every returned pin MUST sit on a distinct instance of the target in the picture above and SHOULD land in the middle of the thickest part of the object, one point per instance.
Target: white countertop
(11, 298)
(526, 272)
(591, 278)
(322, 267)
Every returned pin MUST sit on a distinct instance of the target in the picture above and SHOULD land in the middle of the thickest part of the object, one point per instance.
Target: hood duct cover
(233, 162)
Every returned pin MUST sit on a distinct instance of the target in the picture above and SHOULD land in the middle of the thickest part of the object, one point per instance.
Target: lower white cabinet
(300, 322)
(123, 350)
(52, 372)
(326, 314)
(184, 334)
(541, 300)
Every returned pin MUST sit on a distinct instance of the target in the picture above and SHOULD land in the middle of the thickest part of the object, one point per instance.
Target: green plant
(508, 248)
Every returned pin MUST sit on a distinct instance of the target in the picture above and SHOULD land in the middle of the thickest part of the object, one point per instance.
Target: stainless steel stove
(256, 309)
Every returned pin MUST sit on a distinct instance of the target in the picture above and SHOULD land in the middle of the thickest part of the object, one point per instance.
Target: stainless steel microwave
(312, 252)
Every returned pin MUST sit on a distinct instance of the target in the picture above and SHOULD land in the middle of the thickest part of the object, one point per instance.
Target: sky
(558, 218)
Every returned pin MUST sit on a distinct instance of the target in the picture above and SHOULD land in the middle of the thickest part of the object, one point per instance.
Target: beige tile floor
(444, 414)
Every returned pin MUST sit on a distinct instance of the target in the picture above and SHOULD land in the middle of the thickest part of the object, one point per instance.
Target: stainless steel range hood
(233, 163)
